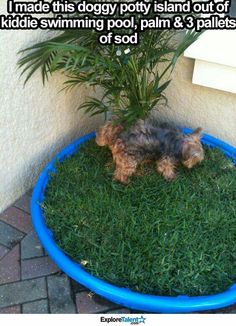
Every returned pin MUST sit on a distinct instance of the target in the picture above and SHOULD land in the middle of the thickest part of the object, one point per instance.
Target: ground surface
(29, 280)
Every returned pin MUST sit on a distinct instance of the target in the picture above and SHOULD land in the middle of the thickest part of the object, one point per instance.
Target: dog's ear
(196, 134)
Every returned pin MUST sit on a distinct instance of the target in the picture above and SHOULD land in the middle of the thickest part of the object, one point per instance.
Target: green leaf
(131, 83)
(161, 88)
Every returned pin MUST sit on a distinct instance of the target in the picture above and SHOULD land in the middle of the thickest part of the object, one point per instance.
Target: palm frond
(94, 106)
(133, 83)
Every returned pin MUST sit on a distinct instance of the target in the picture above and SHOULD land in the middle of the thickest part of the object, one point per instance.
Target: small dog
(146, 141)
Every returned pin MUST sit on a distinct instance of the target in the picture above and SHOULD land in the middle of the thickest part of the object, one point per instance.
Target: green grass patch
(151, 236)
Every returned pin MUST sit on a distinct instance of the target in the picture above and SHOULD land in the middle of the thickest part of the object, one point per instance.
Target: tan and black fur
(147, 140)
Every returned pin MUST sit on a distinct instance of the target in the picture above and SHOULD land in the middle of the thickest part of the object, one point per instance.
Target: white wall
(35, 121)
(193, 106)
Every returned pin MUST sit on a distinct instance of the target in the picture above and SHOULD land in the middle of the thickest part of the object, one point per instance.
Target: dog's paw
(170, 177)
(124, 181)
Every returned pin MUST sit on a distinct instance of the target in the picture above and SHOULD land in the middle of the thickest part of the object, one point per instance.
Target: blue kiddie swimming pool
(121, 296)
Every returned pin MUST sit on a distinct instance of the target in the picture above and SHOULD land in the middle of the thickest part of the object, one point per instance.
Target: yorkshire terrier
(146, 141)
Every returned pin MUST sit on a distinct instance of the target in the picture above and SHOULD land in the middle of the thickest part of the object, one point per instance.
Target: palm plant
(131, 79)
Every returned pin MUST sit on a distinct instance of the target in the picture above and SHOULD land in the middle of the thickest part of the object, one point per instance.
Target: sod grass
(151, 236)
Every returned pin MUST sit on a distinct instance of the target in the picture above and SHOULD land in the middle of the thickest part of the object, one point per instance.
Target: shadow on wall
(192, 105)
(36, 121)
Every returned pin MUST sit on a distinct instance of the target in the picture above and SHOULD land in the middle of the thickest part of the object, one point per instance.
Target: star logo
(142, 320)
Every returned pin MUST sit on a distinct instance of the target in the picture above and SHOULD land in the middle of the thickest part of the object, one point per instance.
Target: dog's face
(192, 151)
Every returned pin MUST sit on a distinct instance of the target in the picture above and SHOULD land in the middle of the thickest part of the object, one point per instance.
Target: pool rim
(119, 295)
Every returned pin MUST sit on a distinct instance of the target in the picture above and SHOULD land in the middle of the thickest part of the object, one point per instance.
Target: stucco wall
(35, 121)
(193, 106)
